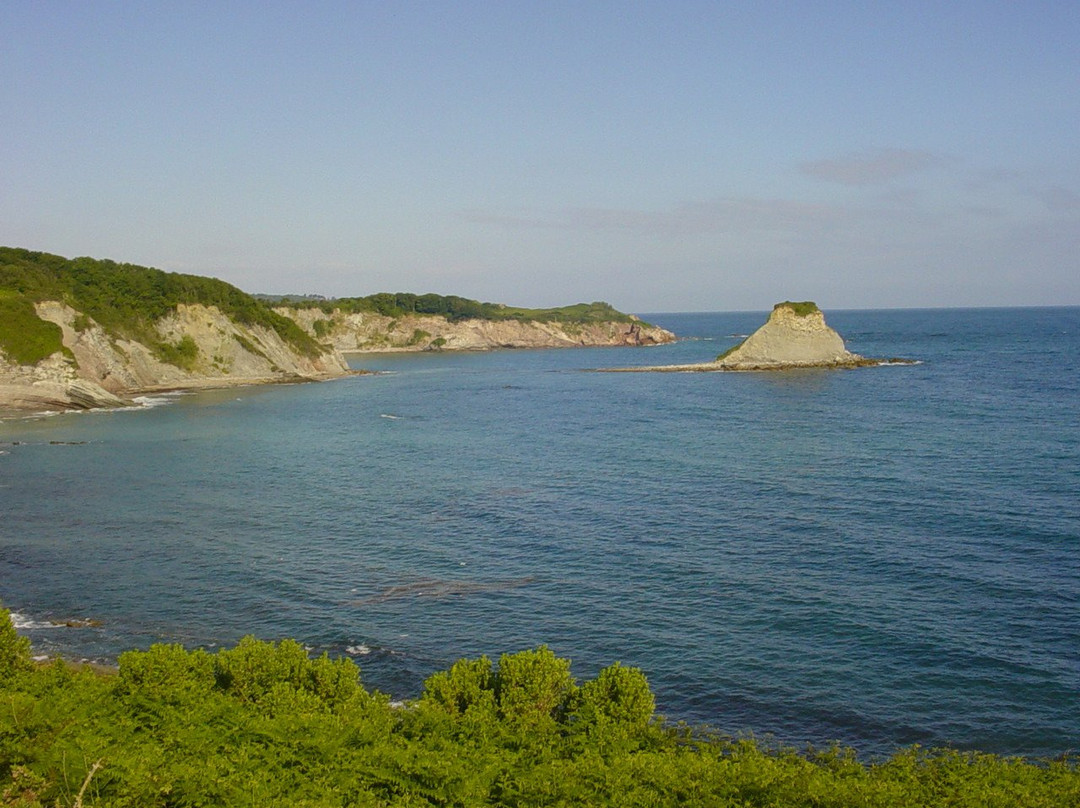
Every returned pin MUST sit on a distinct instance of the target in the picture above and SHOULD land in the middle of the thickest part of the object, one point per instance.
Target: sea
(877, 557)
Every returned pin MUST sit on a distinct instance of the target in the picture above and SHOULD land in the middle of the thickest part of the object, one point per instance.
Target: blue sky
(662, 156)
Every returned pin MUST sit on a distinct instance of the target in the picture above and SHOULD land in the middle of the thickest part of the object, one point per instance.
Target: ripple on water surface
(882, 556)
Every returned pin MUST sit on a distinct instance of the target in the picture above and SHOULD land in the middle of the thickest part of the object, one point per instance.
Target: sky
(661, 156)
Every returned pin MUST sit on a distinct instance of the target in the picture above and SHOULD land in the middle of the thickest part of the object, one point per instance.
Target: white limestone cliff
(362, 332)
(101, 370)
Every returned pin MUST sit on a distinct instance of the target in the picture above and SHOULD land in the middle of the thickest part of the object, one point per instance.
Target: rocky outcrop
(52, 384)
(795, 336)
(358, 332)
(97, 369)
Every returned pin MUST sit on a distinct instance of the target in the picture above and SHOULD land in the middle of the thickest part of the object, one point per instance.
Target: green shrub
(24, 337)
(418, 335)
(256, 671)
(469, 686)
(183, 354)
(249, 346)
(262, 724)
(14, 650)
(533, 688)
(167, 673)
(617, 695)
(730, 351)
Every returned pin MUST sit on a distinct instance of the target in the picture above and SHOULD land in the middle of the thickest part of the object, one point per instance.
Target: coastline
(129, 400)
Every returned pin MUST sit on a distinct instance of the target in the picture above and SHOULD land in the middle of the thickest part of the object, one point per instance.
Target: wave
(148, 402)
(24, 623)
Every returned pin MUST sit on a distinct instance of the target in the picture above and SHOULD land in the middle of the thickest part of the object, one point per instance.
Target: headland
(84, 333)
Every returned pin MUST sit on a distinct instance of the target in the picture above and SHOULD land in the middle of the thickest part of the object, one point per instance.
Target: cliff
(83, 333)
(795, 336)
(98, 369)
(364, 331)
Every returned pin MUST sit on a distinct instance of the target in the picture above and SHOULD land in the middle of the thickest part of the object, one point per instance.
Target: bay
(882, 556)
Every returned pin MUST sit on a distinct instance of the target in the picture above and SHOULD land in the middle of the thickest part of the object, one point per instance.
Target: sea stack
(795, 336)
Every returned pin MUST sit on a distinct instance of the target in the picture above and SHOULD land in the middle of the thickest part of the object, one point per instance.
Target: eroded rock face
(794, 336)
(359, 332)
(104, 371)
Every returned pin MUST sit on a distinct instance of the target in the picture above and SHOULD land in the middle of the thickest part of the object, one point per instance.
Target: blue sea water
(883, 556)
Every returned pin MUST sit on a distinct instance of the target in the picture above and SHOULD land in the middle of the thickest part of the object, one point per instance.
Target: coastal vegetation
(803, 308)
(24, 336)
(124, 299)
(263, 724)
(455, 309)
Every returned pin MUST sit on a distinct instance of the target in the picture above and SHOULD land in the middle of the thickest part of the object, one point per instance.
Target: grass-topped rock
(795, 336)
(803, 309)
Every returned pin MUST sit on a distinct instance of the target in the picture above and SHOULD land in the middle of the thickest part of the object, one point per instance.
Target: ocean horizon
(878, 557)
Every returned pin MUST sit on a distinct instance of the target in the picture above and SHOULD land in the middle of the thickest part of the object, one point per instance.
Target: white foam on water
(391, 417)
(21, 621)
(157, 400)
(358, 650)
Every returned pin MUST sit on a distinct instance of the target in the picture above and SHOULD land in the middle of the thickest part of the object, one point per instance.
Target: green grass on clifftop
(126, 300)
(263, 724)
(453, 308)
(802, 309)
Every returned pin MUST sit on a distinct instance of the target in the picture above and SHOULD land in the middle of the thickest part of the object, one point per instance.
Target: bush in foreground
(263, 724)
